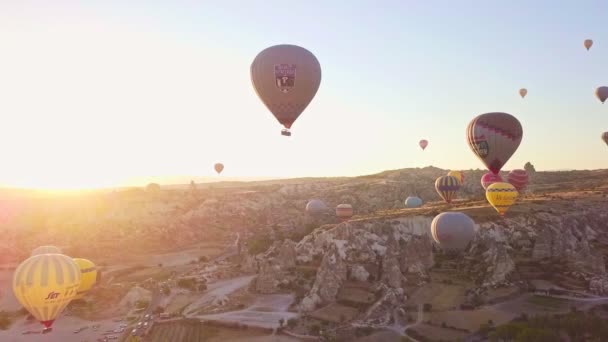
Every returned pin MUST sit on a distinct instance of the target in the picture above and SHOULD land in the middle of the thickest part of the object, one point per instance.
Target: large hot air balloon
(523, 92)
(447, 186)
(286, 78)
(605, 137)
(219, 167)
(518, 178)
(588, 44)
(46, 250)
(413, 202)
(315, 207)
(344, 212)
(602, 93)
(501, 196)
(494, 137)
(489, 179)
(45, 284)
(458, 174)
(453, 230)
(423, 144)
(88, 276)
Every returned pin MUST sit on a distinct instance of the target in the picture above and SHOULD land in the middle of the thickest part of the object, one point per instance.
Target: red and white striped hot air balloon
(344, 212)
(518, 178)
(489, 179)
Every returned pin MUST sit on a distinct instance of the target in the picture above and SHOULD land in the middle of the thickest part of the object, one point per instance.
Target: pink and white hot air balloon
(518, 178)
(489, 179)
(423, 143)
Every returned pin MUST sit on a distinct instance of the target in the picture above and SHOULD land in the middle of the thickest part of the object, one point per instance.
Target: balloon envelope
(489, 179)
(286, 78)
(446, 187)
(423, 143)
(494, 137)
(458, 175)
(588, 43)
(315, 206)
(523, 92)
(413, 202)
(219, 167)
(453, 230)
(46, 250)
(518, 178)
(88, 276)
(45, 284)
(602, 93)
(344, 211)
(501, 196)
(605, 137)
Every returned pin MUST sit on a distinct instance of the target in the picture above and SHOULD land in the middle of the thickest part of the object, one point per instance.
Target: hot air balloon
(501, 196)
(413, 202)
(523, 92)
(588, 44)
(494, 137)
(423, 143)
(88, 276)
(518, 178)
(315, 207)
(602, 93)
(489, 179)
(286, 78)
(219, 167)
(45, 284)
(453, 230)
(344, 212)
(458, 175)
(605, 137)
(46, 250)
(447, 186)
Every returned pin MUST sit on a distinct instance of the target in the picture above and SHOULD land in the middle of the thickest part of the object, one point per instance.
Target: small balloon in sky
(605, 137)
(423, 144)
(588, 44)
(523, 92)
(219, 167)
(602, 93)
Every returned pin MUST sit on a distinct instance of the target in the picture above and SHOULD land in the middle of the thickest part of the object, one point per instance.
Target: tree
(281, 322)
(292, 322)
(529, 167)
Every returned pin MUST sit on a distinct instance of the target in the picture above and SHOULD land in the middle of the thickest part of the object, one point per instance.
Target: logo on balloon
(285, 76)
(482, 148)
(52, 295)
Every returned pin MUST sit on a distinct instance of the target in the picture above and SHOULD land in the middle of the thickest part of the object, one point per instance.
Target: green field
(548, 302)
(181, 331)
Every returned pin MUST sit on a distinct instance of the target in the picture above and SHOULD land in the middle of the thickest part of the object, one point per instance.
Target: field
(470, 320)
(548, 303)
(440, 296)
(185, 331)
(335, 313)
(437, 333)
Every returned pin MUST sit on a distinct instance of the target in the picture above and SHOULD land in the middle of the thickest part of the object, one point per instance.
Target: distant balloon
(219, 167)
(88, 276)
(494, 137)
(518, 178)
(315, 207)
(447, 186)
(588, 44)
(423, 143)
(286, 78)
(489, 179)
(45, 284)
(458, 175)
(344, 212)
(46, 250)
(413, 202)
(453, 230)
(605, 137)
(523, 92)
(602, 93)
(501, 196)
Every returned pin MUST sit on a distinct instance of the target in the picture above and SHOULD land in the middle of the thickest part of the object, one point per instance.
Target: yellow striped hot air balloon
(45, 284)
(458, 174)
(446, 187)
(501, 196)
(46, 250)
(88, 276)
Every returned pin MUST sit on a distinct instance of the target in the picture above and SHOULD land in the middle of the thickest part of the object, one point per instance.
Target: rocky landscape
(373, 271)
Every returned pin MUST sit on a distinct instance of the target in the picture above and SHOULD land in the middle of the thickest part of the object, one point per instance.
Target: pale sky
(105, 94)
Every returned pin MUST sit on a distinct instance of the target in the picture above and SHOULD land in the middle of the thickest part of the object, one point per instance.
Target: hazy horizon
(107, 95)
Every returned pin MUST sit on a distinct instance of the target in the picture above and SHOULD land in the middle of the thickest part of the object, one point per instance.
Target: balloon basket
(286, 133)
(47, 330)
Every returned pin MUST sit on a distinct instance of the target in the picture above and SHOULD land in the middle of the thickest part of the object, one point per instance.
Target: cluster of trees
(579, 326)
